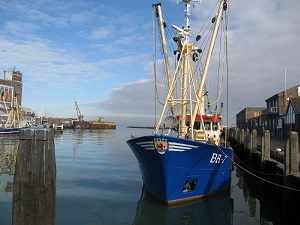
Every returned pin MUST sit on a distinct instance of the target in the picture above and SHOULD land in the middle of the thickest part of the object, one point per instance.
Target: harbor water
(98, 182)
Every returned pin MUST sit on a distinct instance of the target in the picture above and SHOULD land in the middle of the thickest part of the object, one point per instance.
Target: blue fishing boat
(185, 158)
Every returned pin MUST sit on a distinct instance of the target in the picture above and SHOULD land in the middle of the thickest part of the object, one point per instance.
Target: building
(274, 116)
(12, 82)
(243, 118)
(10, 92)
(292, 119)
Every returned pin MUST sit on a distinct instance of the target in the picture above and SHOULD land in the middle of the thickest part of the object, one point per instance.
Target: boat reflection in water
(215, 209)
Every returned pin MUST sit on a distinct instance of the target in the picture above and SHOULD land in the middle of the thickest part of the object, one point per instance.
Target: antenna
(188, 1)
(185, 31)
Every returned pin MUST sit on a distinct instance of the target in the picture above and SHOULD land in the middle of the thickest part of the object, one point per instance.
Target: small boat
(58, 127)
(184, 158)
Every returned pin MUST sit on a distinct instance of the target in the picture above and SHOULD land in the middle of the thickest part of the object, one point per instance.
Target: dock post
(247, 139)
(253, 143)
(34, 188)
(265, 146)
(291, 154)
(265, 149)
(236, 134)
(253, 140)
(242, 136)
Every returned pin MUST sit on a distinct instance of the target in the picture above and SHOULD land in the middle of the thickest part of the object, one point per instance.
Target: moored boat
(14, 120)
(94, 125)
(186, 160)
(101, 124)
(58, 127)
(80, 124)
(8, 132)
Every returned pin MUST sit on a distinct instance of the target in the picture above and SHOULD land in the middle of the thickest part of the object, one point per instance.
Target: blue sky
(99, 53)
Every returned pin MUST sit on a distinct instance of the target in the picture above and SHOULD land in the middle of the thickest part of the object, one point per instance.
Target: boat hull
(102, 125)
(176, 170)
(9, 132)
(93, 125)
(80, 124)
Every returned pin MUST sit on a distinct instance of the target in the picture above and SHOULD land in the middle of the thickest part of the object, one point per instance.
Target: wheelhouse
(206, 128)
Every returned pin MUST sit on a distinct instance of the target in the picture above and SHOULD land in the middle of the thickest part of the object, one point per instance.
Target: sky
(99, 53)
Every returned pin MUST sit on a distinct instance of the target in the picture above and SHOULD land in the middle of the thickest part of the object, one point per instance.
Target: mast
(200, 91)
(165, 51)
(185, 50)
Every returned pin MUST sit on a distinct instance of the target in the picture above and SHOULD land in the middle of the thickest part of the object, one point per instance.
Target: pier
(272, 159)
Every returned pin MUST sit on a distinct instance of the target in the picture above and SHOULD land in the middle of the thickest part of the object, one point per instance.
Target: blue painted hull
(176, 169)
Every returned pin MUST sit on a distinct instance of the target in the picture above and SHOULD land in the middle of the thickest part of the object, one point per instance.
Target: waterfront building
(292, 118)
(244, 117)
(11, 87)
(280, 116)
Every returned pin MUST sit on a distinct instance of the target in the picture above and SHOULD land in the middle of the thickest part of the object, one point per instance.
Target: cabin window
(197, 125)
(215, 126)
(207, 125)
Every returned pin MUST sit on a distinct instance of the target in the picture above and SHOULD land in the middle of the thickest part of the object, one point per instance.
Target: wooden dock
(273, 159)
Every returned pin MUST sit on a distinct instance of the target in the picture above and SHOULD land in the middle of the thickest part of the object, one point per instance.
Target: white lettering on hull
(217, 158)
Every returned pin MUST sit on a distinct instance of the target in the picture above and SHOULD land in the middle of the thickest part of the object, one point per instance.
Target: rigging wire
(222, 73)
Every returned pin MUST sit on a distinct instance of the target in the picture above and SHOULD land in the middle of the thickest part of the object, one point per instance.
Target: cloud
(263, 42)
(100, 54)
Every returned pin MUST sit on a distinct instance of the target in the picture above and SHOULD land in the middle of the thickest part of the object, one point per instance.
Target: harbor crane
(80, 116)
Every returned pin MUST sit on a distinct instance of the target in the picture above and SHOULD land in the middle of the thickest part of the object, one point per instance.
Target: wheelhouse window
(207, 125)
(197, 125)
(215, 126)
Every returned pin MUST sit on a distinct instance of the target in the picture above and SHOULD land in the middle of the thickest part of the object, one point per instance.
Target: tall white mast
(185, 50)
(164, 45)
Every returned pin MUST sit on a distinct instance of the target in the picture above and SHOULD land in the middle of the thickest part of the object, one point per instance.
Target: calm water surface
(98, 182)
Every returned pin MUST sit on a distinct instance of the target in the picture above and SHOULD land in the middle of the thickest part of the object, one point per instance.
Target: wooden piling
(265, 149)
(265, 146)
(34, 189)
(242, 136)
(291, 164)
(247, 139)
(253, 138)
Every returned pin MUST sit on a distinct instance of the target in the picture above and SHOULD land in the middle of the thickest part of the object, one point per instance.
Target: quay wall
(274, 160)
